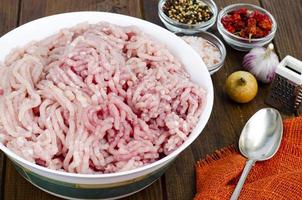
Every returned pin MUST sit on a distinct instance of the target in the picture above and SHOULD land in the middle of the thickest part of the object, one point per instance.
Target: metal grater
(286, 89)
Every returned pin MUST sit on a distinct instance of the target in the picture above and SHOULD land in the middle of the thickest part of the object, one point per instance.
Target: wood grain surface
(288, 39)
(227, 118)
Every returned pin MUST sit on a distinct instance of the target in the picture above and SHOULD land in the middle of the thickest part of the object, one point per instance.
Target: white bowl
(115, 185)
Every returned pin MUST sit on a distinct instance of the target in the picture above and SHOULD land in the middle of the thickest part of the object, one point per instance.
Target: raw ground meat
(96, 98)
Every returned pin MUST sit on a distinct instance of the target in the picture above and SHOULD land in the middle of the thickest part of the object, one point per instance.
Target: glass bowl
(215, 41)
(240, 43)
(177, 27)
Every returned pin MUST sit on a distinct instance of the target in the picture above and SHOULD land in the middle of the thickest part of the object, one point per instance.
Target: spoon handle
(248, 166)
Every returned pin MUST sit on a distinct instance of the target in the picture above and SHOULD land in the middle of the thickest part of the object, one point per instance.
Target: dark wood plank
(17, 187)
(8, 15)
(227, 119)
(8, 19)
(51, 7)
(289, 33)
(150, 12)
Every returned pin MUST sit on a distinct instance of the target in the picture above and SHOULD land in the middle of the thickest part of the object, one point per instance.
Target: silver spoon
(259, 141)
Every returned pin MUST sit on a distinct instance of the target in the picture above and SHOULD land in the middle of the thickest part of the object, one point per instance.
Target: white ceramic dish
(105, 186)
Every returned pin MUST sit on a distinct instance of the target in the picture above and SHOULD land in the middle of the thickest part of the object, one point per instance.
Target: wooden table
(227, 118)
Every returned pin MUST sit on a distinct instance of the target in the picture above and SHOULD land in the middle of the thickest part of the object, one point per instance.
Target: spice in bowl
(247, 23)
(209, 53)
(187, 11)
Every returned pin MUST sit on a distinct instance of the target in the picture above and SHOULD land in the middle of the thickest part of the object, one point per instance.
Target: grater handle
(290, 68)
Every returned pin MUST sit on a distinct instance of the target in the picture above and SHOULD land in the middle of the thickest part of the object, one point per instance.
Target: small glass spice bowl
(178, 27)
(216, 42)
(240, 43)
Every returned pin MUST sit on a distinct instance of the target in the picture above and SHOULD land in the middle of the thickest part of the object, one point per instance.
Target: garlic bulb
(262, 63)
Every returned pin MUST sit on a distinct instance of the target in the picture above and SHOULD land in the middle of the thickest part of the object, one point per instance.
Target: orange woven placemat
(277, 178)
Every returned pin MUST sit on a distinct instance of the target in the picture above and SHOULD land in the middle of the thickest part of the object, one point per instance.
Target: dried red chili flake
(247, 24)
(230, 28)
(265, 24)
(226, 20)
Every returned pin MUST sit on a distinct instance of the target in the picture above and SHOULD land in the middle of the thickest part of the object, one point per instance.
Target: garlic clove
(262, 63)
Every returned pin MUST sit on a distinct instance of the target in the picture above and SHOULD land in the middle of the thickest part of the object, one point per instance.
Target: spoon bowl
(262, 134)
(259, 140)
